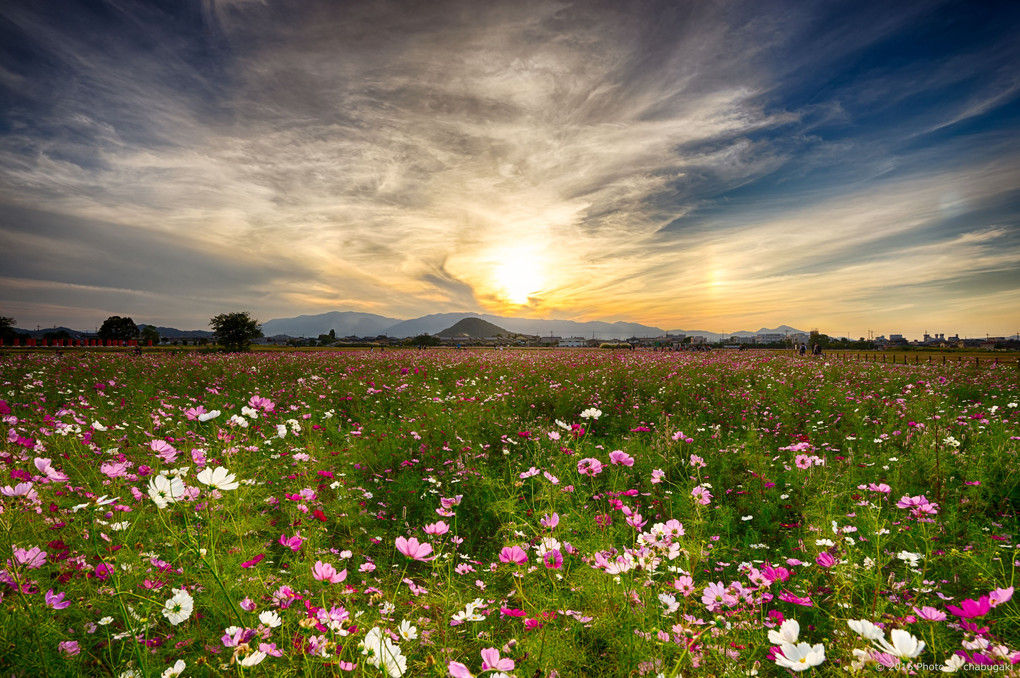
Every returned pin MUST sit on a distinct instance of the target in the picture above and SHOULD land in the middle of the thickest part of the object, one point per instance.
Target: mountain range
(350, 323)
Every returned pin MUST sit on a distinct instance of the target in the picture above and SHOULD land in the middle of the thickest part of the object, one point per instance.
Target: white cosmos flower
(254, 658)
(865, 629)
(787, 633)
(383, 653)
(175, 670)
(179, 607)
(238, 421)
(407, 631)
(591, 413)
(953, 664)
(206, 416)
(165, 491)
(270, 619)
(281, 431)
(904, 645)
(801, 656)
(218, 478)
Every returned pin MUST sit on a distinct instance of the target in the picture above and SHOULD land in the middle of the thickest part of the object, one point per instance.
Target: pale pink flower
(437, 529)
(33, 558)
(325, 572)
(413, 549)
(550, 522)
(163, 450)
(492, 662)
(621, 457)
(657, 476)
(589, 467)
(702, 495)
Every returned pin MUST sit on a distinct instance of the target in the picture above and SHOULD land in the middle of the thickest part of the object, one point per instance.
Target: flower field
(441, 513)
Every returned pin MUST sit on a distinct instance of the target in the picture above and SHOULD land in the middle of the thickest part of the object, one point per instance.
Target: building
(573, 342)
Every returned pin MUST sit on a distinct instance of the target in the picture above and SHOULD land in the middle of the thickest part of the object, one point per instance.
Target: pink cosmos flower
(413, 549)
(437, 529)
(635, 521)
(657, 476)
(621, 457)
(788, 597)
(264, 404)
(930, 614)
(115, 469)
(826, 559)
(969, 609)
(192, 413)
(458, 670)
(254, 561)
(1000, 596)
(702, 495)
(803, 461)
(56, 600)
(513, 554)
(553, 559)
(46, 468)
(69, 647)
(715, 596)
(589, 467)
(550, 522)
(293, 543)
(20, 490)
(33, 558)
(492, 662)
(881, 487)
(163, 450)
(684, 584)
(326, 572)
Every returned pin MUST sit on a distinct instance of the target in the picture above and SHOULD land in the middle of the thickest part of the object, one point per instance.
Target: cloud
(661, 162)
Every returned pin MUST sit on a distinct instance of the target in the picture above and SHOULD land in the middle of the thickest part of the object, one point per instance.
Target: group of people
(816, 349)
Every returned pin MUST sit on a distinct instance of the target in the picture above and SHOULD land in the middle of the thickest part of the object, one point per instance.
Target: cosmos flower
(165, 491)
(801, 656)
(513, 554)
(218, 478)
(325, 572)
(413, 549)
(179, 607)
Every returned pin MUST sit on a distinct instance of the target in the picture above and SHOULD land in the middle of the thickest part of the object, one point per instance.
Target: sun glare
(518, 279)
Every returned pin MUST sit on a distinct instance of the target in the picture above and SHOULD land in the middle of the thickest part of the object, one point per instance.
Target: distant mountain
(38, 334)
(344, 323)
(436, 323)
(476, 328)
(716, 336)
(174, 333)
(347, 323)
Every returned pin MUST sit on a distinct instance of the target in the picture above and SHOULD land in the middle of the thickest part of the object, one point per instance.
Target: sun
(518, 279)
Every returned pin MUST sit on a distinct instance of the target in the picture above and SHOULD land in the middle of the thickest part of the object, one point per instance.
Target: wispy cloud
(661, 162)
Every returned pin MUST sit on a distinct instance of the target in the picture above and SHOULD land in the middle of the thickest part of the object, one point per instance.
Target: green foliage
(116, 328)
(235, 331)
(149, 333)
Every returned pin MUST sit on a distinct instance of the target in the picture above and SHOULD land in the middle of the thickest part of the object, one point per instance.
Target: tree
(149, 333)
(7, 328)
(117, 328)
(235, 331)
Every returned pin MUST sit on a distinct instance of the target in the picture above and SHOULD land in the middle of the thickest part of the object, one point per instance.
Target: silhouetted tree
(149, 333)
(7, 328)
(117, 328)
(235, 331)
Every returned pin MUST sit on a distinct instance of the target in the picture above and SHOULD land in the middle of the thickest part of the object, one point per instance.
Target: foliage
(149, 333)
(235, 331)
(284, 513)
(423, 340)
(116, 328)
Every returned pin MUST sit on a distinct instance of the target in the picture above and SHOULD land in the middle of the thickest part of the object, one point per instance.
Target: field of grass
(545, 513)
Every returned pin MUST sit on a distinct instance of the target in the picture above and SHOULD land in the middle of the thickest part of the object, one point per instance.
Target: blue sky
(723, 166)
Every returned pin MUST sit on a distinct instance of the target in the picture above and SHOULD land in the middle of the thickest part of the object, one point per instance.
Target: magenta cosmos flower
(413, 549)
(327, 573)
(589, 467)
(513, 554)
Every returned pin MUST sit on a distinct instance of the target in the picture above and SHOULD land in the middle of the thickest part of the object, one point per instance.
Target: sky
(722, 166)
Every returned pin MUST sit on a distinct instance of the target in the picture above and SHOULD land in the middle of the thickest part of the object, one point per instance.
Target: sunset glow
(850, 166)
